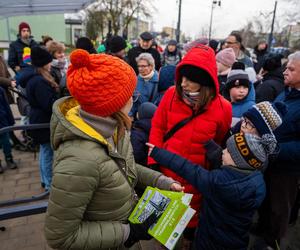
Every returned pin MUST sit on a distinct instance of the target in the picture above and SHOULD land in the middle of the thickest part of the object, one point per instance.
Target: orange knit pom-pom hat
(102, 84)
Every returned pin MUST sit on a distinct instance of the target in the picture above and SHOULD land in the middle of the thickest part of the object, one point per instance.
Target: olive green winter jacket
(90, 197)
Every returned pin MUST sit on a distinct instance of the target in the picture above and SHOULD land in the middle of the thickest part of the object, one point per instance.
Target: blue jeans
(6, 146)
(46, 158)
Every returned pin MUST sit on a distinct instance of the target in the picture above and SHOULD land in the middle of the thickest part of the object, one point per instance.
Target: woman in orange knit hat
(94, 173)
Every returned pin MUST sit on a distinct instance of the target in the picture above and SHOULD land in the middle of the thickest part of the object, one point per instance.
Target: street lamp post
(214, 2)
(178, 23)
(272, 27)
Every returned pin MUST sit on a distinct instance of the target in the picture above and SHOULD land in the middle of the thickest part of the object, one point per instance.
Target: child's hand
(151, 147)
(177, 187)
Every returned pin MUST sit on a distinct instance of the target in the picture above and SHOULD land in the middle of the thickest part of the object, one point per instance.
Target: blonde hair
(48, 77)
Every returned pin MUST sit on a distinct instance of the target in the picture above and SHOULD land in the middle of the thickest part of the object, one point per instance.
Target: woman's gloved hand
(140, 231)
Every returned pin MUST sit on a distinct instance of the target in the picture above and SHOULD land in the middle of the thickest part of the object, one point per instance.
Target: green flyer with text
(173, 209)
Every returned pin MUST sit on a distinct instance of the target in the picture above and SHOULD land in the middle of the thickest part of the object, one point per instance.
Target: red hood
(202, 57)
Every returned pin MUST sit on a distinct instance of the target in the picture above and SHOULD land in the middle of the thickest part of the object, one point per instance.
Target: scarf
(148, 77)
(190, 98)
(60, 64)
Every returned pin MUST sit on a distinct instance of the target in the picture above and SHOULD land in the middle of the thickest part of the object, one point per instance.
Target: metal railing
(6, 209)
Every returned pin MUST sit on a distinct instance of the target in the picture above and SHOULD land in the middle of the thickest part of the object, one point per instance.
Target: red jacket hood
(202, 57)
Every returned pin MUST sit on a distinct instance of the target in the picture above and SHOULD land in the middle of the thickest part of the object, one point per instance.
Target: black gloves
(213, 154)
(140, 231)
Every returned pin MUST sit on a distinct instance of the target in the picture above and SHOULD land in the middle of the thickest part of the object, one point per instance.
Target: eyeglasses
(143, 66)
(247, 124)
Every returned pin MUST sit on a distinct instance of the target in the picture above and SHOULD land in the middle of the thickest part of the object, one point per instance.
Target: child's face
(59, 55)
(226, 158)
(248, 127)
(238, 93)
(221, 67)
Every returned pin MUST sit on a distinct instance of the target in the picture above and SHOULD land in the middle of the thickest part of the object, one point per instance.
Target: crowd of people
(208, 119)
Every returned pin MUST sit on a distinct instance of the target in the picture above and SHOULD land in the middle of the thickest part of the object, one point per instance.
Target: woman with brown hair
(41, 92)
(190, 114)
(94, 172)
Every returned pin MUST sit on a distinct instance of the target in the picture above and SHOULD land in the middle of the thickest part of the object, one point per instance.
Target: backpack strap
(176, 127)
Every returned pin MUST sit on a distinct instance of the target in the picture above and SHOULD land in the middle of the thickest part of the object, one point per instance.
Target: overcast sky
(195, 16)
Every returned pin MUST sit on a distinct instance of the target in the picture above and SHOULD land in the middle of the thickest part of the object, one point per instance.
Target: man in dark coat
(16, 48)
(145, 43)
(283, 175)
(272, 83)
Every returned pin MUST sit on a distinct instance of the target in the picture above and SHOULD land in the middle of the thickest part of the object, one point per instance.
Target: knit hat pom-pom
(80, 58)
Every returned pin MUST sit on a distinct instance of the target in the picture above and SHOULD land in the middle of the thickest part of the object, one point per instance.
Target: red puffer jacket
(189, 140)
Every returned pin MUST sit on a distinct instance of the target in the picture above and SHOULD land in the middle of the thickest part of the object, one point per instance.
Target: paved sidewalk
(24, 233)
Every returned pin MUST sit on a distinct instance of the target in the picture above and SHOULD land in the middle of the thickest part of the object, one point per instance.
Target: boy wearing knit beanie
(231, 193)
(239, 91)
(260, 120)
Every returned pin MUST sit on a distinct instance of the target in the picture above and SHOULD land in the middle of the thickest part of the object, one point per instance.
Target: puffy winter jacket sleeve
(193, 173)
(149, 177)
(72, 189)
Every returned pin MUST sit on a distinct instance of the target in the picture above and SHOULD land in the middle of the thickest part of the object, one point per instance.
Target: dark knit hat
(250, 152)
(86, 44)
(272, 61)
(24, 25)
(146, 110)
(237, 77)
(196, 74)
(116, 44)
(213, 44)
(172, 42)
(266, 117)
(40, 57)
(166, 77)
(146, 36)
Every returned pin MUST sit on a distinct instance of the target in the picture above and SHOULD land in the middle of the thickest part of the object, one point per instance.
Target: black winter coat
(288, 135)
(260, 55)
(41, 97)
(139, 136)
(136, 51)
(6, 116)
(15, 54)
(270, 86)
